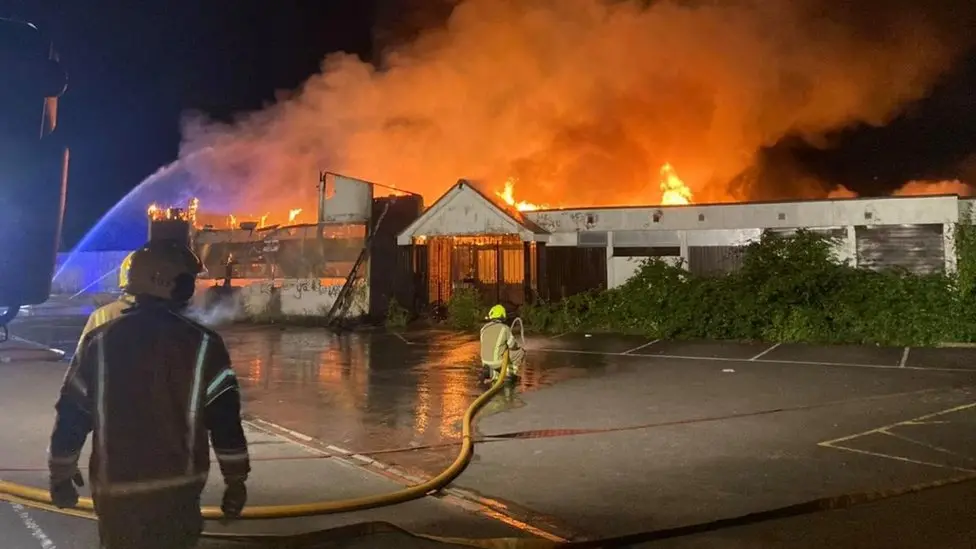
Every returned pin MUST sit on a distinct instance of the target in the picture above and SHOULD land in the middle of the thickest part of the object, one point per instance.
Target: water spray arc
(160, 175)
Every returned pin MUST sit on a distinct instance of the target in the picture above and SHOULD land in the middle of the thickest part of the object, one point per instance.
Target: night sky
(135, 66)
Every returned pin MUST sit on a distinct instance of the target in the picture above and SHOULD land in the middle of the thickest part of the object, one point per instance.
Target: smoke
(222, 312)
(917, 188)
(583, 100)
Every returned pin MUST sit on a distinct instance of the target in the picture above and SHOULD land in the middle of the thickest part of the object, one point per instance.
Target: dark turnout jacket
(153, 387)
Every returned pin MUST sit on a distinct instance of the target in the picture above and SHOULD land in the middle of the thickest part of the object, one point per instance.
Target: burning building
(345, 264)
(514, 253)
(364, 249)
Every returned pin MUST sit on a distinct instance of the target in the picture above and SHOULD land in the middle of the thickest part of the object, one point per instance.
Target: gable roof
(465, 211)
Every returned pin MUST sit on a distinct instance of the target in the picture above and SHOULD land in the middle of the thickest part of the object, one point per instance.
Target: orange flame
(673, 189)
(508, 195)
(292, 214)
(917, 188)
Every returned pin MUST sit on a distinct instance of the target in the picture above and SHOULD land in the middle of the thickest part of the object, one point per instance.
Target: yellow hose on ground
(30, 496)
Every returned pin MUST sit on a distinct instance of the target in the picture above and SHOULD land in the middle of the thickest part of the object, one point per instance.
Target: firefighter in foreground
(496, 338)
(114, 309)
(151, 385)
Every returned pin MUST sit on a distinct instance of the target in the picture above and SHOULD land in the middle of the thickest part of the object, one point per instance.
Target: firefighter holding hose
(496, 338)
(150, 385)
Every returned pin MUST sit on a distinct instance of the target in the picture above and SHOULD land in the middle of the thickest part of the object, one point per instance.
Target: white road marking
(760, 355)
(912, 421)
(885, 430)
(758, 360)
(638, 348)
(482, 506)
(403, 339)
(36, 531)
(896, 458)
(904, 357)
(939, 449)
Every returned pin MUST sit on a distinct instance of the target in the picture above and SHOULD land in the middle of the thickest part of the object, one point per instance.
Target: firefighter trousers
(165, 519)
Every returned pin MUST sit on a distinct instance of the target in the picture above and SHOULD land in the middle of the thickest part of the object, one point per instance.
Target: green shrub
(397, 316)
(465, 310)
(789, 289)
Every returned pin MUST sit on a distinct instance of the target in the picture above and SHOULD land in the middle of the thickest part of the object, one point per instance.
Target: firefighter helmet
(497, 313)
(124, 271)
(165, 270)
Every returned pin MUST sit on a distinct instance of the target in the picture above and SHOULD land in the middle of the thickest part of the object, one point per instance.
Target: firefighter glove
(235, 497)
(64, 492)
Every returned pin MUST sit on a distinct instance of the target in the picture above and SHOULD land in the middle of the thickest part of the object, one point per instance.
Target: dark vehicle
(33, 165)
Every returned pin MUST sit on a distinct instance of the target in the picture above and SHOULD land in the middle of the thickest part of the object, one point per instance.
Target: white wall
(623, 268)
(825, 213)
(464, 212)
(620, 269)
(304, 297)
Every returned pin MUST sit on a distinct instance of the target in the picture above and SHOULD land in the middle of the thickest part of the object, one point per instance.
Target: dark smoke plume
(584, 100)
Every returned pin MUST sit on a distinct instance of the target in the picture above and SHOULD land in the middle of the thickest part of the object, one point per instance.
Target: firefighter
(496, 338)
(114, 309)
(151, 385)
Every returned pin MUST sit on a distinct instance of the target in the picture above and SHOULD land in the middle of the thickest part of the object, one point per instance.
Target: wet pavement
(696, 431)
(283, 472)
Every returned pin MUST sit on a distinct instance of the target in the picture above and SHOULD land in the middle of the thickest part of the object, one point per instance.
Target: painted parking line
(454, 496)
(887, 431)
(760, 355)
(22, 519)
(913, 421)
(639, 347)
(403, 339)
(904, 357)
(754, 361)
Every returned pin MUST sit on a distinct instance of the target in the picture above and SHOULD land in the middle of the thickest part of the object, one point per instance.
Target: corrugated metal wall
(391, 268)
(918, 248)
(714, 260)
(568, 271)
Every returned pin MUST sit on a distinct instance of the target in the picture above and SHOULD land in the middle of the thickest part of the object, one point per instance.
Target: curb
(955, 345)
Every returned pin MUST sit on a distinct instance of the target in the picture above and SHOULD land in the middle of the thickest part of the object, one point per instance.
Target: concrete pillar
(610, 276)
(683, 240)
(851, 242)
(949, 247)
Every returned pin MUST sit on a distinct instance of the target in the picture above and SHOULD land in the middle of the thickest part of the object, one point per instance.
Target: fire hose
(37, 498)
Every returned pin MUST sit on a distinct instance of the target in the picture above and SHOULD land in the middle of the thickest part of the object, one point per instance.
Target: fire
(673, 189)
(292, 214)
(917, 188)
(508, 195)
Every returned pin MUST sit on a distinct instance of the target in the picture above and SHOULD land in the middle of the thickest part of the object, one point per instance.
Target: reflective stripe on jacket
(151, 385)
(496, 338)
(104, 314)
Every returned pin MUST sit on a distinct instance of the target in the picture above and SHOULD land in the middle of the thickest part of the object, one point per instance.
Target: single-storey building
(469, 238)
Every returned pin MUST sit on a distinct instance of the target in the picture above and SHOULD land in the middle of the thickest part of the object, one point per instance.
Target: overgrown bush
(397, 316)
(465, 310)
(789, 288)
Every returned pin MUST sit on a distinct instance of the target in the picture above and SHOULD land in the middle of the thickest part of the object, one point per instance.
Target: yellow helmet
(497, 313)
(124, 270)
(163, 269)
